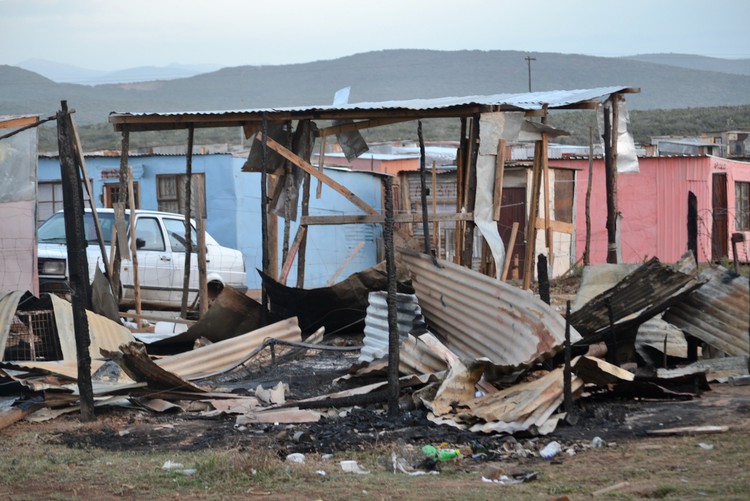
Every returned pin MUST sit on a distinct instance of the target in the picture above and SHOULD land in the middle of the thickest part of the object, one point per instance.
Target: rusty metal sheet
(480, 317)
(226, 355)
(717, 313)
(641, 295)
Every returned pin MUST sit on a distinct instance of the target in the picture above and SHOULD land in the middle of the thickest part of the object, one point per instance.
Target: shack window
(112, 195)
(170, 193)
(742, 206)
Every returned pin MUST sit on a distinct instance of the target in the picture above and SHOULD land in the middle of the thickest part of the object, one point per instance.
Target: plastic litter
(295, 457)
(352, 467)
(551, 450)
(441, 454)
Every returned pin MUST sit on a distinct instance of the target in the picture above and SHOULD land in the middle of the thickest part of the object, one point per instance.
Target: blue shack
(232, 202)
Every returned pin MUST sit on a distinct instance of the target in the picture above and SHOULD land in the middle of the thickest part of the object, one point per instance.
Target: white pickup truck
(160, 243)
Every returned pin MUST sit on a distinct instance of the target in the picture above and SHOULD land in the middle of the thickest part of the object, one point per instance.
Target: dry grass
(31, 467)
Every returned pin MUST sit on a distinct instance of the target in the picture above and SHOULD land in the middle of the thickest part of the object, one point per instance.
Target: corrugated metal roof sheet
(525, 101)
(717, 313)
(480, 317)
(641, 295)
(225, 355)
(408, 317)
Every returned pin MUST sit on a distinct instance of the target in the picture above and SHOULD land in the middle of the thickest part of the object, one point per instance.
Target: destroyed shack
(464, 346)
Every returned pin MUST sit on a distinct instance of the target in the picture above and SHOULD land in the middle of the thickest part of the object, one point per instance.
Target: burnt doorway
(513, 210)
(719, 226)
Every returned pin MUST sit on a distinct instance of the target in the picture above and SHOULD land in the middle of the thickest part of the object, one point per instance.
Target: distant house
(232, 204)
(673, 204)
(734, 144)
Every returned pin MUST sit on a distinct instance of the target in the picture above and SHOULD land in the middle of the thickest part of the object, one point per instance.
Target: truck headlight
(53, 267)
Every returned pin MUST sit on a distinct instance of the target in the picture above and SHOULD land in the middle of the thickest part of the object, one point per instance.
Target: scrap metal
(641, 295)
(717, 313)
(481, 318)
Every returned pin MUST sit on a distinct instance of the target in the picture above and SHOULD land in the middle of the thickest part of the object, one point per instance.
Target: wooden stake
(284, 152)
(435, 225)
(321, 163)
(133, 254)
(509, 253)
(344, 264)
(533, 211)
(202, 279)
(587, 249)
(293, 249)
(548, 241)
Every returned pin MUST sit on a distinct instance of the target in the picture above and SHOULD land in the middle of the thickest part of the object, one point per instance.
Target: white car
(160, 239)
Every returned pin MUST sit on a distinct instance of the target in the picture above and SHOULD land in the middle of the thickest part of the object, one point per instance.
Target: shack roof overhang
(413, 109)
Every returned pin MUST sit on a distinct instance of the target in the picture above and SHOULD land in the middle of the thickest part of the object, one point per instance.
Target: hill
(375, 76)
(732, 66)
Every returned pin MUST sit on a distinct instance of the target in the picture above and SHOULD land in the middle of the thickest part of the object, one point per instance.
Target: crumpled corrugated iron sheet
(529, 406)
(226, 355)
(482, 318)
(641, 295)
(717, 313)
(408, 317)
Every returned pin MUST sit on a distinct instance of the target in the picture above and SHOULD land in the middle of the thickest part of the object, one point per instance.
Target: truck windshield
(53, 229)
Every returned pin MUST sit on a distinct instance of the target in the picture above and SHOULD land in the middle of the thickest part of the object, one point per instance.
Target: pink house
(671, 205)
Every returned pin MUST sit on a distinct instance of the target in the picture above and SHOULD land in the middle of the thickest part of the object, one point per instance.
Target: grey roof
(414, 108)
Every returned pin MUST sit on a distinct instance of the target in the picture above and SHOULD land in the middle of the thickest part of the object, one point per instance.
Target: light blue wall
(233, 208)
(327, 246)
(220, 190)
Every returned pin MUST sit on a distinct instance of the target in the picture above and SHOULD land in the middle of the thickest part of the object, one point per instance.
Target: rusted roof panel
(717, 313)
(480, 317)
(641, 295)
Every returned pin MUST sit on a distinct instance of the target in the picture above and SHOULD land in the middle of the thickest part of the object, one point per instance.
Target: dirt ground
(364, 432)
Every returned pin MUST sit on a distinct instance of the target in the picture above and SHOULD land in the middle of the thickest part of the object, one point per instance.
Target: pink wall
(653, 205)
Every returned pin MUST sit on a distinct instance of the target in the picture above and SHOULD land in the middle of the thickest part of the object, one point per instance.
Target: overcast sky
(116, 34)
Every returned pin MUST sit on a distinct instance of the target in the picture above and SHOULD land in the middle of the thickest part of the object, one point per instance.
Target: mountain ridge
(385, 75)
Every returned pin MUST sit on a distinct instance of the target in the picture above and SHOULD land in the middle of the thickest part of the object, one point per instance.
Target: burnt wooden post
(567, 377)
(264, 217)
(78, 267)
(610, 156)
(543, 278)
(470, 194)
(423, 191)
(188, 226)
(587, 249)
(391, 299)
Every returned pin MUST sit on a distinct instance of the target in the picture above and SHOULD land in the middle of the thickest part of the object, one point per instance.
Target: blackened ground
(360, 428)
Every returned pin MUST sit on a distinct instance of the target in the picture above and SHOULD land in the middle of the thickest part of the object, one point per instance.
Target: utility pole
(528, 62)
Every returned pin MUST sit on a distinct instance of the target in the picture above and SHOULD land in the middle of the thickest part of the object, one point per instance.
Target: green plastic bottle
(440, 454)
